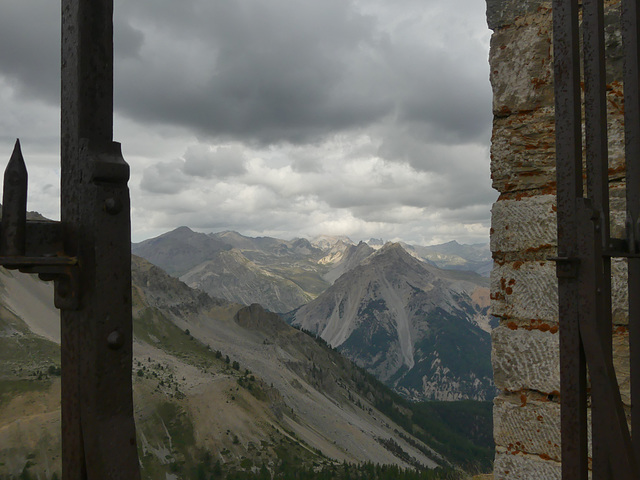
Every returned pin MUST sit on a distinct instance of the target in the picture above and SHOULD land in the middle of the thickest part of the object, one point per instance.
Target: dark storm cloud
(264, 71)
(30, 53)
(291, 71)
(358, 117)
(267, 72)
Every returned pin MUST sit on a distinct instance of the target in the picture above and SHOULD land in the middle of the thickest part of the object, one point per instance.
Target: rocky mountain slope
(281, 275)
(454, 256)
(414, 326)
(179, 250)
(216, 385)
(350, 257)
(231, 275)
(278, 274)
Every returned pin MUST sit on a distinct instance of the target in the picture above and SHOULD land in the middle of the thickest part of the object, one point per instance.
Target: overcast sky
(366, 118)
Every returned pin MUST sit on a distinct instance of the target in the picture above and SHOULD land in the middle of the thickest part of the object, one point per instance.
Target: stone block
(525, 290)
(613, 41)
(524, 224)
(530, 427)
(620, 345)
(524, 467)
(521, 65)
(526, 359)
(501, 13)
(523, 151)
(619, 292)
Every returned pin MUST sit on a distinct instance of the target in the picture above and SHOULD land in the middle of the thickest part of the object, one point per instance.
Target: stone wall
(523, 235)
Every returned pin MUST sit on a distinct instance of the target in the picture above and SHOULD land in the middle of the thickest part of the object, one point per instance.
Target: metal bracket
(566, 267)
(34, 246)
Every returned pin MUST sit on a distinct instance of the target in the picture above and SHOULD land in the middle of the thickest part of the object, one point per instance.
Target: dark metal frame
(87, 254)
(585, 247)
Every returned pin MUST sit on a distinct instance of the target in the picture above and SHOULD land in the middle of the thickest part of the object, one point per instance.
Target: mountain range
(421, 329)
(281, 275)
(414, 326)
(217, 385)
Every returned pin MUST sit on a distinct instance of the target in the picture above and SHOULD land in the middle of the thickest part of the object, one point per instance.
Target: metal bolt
(115, 340)
(113, 205)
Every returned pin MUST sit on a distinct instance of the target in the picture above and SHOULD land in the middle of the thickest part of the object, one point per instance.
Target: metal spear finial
(14, 205)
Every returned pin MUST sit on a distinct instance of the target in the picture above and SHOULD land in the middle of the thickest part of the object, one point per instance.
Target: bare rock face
(179, 250)
(231, 275)
(409, 323)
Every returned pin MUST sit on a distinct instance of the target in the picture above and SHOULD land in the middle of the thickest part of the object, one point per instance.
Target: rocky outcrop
(409, 323)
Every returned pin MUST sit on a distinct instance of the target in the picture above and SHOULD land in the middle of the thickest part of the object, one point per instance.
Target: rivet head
(115, 340)
(113, 205)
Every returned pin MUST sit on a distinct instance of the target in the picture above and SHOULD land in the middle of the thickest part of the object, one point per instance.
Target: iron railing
(585, 245)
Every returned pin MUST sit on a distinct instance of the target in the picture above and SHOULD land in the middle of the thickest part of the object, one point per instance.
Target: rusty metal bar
(569, 188)
(599, 279)
(630, 37)
(584, 240)
(99, 439)
(612, 452)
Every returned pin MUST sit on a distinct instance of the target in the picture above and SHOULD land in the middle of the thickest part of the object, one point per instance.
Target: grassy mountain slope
(217, 387)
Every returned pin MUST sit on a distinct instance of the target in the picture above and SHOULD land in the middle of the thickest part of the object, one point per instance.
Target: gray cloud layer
(284, 116)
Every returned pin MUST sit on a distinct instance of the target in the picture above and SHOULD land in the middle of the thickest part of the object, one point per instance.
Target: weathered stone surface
(525, 359)
(621, 363)
(525, 290)
(521, 66)
(613, 41)
(619, 291)
(527, 427)
(523, 151)
(503, 12)
(508, 466)
(528, 223)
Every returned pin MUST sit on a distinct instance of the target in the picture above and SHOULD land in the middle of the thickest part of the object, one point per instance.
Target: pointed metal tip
(17, 148)
(16, 157)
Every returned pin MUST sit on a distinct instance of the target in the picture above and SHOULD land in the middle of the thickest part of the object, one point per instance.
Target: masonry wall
(523, 235)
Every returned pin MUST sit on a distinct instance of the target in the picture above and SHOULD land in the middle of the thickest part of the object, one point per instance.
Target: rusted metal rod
(99, 437)
(569, 188)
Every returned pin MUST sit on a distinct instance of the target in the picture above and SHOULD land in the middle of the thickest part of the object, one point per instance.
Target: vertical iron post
(584, 242)
(630, 38)
(99, 438)
(569, 188)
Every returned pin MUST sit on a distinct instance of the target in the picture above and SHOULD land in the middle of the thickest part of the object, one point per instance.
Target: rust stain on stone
(523, 400)
(538, 248)
(538, 83)
(619, 169)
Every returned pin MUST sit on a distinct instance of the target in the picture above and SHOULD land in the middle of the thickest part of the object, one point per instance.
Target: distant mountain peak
(406, 322)
(325, 242)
